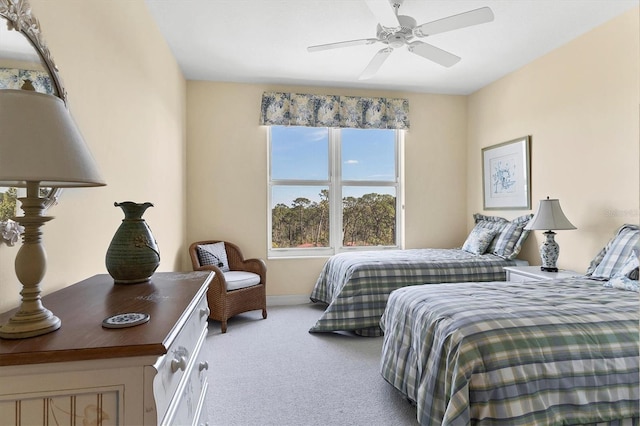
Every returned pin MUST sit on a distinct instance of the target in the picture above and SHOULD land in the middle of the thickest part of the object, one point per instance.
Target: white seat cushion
(240, 279)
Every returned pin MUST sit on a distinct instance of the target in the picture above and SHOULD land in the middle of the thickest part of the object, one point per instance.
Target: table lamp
(39, 145)
(550, 217)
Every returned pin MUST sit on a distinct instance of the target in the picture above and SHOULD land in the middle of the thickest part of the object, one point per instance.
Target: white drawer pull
(205, 312)
(178, 363)
(204, 365)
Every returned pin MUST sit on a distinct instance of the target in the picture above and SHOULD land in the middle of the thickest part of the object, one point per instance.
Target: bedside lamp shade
(39, 145)
(549, 217)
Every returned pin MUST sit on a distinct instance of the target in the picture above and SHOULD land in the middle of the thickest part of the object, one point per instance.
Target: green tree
(279, 227)
(8, 201)
(322, 232)
(300, 207)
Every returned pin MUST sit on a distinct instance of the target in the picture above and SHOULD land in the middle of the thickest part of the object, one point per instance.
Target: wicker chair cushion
(240, 279)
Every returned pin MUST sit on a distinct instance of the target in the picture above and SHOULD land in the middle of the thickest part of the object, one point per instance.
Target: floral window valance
(295, 109)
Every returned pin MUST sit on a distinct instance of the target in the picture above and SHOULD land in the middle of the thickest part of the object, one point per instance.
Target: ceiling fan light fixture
(396, 40)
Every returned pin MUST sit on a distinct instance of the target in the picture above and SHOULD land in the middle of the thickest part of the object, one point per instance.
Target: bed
(535, 353)
(355, 285)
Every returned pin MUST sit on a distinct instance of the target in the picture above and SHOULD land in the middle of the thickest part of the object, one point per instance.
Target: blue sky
(303, 153)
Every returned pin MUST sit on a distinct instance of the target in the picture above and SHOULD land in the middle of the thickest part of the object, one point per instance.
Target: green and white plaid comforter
(537, 353)
(356, 285)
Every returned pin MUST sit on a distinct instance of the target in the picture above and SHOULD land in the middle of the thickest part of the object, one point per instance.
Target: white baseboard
(292, 299)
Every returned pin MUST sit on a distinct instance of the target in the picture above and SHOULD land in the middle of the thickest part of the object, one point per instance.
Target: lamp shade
(40, 142)
(549, 217)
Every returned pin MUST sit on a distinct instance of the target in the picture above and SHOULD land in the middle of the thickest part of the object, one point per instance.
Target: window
(332, 190)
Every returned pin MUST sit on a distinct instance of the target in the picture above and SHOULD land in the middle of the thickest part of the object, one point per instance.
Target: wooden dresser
(149, 374)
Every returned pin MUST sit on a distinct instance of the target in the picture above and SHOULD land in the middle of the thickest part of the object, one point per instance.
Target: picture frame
(506, 175)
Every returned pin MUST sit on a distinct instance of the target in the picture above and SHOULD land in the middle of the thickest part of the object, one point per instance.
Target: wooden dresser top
(168, 298)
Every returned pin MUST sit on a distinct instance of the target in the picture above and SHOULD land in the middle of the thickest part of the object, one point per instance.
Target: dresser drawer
(174, 367)
(203, 417)
(190, 407)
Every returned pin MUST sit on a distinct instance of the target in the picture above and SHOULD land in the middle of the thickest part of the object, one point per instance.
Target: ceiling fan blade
(466, 19)
(349, 43)
(433, 53)
(384, 13)
(375, 63)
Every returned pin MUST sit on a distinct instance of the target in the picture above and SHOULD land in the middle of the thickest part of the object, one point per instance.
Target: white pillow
(214, 254)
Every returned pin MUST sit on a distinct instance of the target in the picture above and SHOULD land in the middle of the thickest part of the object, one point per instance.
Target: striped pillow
(616, 253)
(510, 234)
(596, 261)
(627, 277)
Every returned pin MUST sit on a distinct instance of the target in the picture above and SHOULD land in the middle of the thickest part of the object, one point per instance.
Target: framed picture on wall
(506, 177)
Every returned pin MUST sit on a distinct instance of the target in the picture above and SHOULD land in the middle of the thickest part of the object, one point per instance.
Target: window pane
(368, 216)
(300, 153)
(368, 155)
(299, 216)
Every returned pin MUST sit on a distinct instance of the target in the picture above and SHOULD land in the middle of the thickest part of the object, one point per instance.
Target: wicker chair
(224, 303)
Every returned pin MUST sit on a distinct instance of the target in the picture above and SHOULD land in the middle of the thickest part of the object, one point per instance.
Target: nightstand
(533, 273)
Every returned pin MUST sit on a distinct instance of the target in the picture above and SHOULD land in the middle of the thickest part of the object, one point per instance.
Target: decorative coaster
(125, 320)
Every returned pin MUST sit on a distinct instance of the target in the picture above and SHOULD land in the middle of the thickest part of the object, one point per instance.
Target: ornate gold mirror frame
(25, 63)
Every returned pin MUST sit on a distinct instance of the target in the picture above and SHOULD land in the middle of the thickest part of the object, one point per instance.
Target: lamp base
(29, 324)
(32, 319)
(549, 251)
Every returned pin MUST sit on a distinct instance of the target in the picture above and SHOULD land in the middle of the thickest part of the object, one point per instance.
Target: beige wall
(579, 103)
(227, 174)
(127, 95)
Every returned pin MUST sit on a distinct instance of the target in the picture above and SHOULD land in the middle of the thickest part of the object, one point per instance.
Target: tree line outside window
(369, 220)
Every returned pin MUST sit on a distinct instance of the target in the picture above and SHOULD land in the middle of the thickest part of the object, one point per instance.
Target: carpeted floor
(274, 372)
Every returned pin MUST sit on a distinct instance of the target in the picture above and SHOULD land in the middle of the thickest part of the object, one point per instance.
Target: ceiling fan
(395, 31)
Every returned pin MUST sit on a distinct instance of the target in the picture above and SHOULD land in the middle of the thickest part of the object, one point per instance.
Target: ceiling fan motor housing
(398, 36)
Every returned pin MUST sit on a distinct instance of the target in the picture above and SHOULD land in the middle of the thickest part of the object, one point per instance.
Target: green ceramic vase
(133, 254)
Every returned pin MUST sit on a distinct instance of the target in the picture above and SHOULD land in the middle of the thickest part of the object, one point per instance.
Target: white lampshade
(549, 217)
(40, 142)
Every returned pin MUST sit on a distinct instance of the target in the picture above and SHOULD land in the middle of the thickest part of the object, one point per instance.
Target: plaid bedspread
(356, 285)
(537, 353)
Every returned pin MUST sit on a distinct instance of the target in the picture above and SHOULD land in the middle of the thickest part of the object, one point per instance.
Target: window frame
(335, 185)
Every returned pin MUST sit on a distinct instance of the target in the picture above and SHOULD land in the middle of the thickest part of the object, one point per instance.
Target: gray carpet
(274, 372)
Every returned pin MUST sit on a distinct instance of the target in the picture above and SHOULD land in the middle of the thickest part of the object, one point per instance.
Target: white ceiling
(265, 41)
